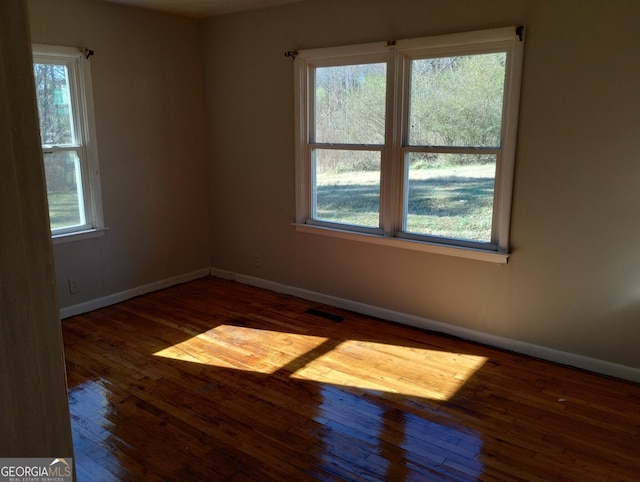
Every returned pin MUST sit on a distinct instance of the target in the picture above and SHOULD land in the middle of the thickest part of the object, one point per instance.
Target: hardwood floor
(214, 380)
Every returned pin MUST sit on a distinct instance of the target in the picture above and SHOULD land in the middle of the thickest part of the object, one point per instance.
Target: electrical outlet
(74, 287)
(257, 260)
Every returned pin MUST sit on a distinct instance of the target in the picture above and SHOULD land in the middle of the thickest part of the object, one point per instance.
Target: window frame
(398, 55)
(85, 146)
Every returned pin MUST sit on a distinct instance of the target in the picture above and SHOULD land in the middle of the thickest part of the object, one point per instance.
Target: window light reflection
(406, 370)
(236, 348)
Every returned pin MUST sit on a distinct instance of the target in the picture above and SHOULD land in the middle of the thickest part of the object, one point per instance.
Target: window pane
(450, 195)
(54, 104)
(64, 189)
(457, 101)
(350, 104)
(347, 187)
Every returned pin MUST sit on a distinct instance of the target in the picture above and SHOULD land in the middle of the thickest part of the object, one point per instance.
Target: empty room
(320, 239)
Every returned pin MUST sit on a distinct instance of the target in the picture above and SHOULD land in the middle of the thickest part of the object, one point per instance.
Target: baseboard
(565, 358)
(128, 294)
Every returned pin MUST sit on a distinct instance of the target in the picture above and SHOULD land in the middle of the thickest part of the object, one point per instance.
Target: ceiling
(202, 8)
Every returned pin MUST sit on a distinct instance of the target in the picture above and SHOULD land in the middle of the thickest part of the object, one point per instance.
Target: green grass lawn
(454, 202)
(63, 209)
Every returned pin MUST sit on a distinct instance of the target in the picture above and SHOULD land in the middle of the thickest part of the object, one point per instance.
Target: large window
(410, 143)
(63, 91)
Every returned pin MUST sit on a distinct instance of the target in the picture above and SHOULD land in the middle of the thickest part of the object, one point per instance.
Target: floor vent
(324, 314)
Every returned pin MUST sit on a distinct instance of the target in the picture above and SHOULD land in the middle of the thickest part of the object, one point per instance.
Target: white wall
(172, 173)
(148, 91)
(573, 281)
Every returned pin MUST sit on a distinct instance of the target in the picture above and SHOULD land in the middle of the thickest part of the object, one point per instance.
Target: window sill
(78, 236)
(460, 252)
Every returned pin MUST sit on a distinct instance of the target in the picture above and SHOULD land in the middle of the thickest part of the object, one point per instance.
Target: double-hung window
(410, 143)
(63, 92)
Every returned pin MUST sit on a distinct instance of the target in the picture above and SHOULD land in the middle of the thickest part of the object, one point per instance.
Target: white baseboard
(128, 294)
(565, 358)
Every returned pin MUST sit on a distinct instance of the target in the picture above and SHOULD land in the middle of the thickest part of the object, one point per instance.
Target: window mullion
(313, 194)
(402, 123)
(388, 214)
(302, 83)
(347, 147)
(51, 149)
(453, 149)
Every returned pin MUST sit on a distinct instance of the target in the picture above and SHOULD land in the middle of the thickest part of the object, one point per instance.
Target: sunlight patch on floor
(406, 370)
(410, 371)
(237, 347)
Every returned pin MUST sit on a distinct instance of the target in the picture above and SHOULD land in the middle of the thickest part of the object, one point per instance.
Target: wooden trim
(595, 365)
(124, 295)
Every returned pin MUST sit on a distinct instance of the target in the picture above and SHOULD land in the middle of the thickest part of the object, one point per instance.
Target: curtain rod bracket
(520, 32)
(87, 53)
(292, 54)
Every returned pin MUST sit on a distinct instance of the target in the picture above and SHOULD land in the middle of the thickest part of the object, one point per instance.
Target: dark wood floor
(214, 380)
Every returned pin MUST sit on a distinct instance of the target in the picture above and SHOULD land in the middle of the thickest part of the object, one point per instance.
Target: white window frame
(398, 55)
(81, 93)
